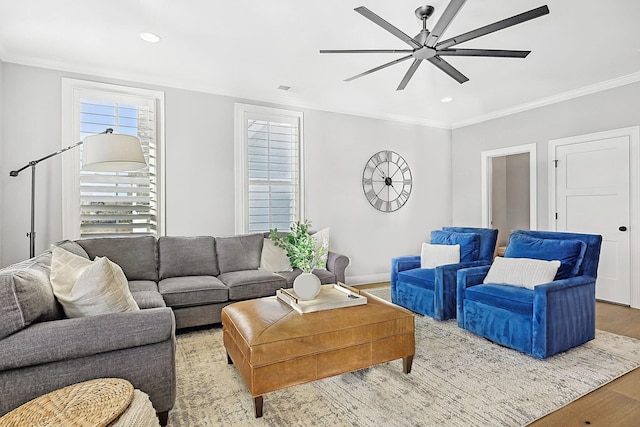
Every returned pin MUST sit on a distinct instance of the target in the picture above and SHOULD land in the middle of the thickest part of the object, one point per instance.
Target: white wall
(2, 155)
(199, 172)
(610, 109)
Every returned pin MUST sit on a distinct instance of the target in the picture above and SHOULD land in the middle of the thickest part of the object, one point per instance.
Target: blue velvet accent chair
(548, 319)
(432, 291)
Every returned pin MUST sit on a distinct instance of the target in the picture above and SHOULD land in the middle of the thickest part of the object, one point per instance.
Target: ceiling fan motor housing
(424, 12)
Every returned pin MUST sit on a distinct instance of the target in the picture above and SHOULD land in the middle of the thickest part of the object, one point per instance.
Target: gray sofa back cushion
(137, 256)
(238, 253)
(26, 295)
(187, 256)
(72, 247)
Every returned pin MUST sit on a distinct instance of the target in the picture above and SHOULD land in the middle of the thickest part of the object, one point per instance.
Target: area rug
(458, 379)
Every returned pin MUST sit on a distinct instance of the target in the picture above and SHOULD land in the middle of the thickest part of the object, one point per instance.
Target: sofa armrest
(337, 264)
(466, 278)
(399, 264)
(85, 336)
(564, 315)
(445, 285)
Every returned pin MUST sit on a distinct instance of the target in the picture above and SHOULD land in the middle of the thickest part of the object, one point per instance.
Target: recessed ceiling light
(283, 87)
(446, 99)
(150, 37)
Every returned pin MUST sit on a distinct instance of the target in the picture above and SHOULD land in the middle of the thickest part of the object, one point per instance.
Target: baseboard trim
(367, 278)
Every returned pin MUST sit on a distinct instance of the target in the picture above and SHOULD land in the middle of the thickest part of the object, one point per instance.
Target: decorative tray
(329, 298)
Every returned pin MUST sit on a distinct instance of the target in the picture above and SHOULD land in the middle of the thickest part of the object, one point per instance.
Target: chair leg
(163, 417)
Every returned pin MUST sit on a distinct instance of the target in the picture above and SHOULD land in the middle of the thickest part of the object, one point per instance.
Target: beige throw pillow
(522, 272)
(89, 288)
(273, 258)
(321, 237)
(432, 256)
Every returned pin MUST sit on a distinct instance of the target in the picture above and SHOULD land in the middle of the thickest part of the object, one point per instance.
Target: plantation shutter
(120, 203)
(273, 167)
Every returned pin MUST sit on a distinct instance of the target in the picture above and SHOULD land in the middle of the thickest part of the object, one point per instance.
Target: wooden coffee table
(274, 347)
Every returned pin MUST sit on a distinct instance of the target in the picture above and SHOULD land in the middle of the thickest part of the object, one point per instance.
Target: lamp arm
(32, 164)
(35, 162)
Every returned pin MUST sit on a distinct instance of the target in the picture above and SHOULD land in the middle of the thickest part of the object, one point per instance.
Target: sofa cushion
(238, 253)
(421, 277)
(190, 291)
(326, 277)
(146, 294)
(469, 243)
(252, 284)
(274, 258)
(322, 236)
(137, 256)
(570, 253)
(26, 295)
(432, 256)
(89, 288)
(187, 256)
(511, 298)
(72, 247)
(524, 272)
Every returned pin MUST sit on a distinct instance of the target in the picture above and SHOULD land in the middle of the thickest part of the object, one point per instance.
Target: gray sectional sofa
(177, 282)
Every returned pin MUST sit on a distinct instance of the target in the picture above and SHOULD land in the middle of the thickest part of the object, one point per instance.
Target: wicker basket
(94, 403)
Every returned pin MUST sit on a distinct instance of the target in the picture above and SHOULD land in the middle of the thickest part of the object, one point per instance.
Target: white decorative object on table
(307, 286)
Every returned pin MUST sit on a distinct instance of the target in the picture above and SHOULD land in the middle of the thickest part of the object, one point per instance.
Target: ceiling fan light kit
(425, 46)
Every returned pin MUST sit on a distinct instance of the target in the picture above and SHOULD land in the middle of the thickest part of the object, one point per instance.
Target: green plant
(300, 246)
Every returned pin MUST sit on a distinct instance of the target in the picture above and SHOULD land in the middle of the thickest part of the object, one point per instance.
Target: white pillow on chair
(435, 255)
(523, 272)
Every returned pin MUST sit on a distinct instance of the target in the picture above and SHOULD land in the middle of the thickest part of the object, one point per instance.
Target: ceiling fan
(426, 45)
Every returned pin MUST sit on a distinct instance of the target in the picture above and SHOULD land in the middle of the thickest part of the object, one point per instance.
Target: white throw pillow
(432, 256)
(523, 272)
(320, 237)
(273, 258)
(89, 288)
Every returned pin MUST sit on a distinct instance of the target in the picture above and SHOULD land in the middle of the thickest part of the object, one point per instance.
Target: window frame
(241, 179)
(73, 90)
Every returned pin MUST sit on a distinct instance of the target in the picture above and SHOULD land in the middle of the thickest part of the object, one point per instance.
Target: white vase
(306, 286)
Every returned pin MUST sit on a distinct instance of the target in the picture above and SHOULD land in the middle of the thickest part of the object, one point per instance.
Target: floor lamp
(103, 152)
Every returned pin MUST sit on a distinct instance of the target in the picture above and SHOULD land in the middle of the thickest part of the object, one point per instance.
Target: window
(269, 183)
(111, 203)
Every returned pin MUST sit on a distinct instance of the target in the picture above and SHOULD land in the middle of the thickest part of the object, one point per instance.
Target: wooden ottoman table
(273, 346)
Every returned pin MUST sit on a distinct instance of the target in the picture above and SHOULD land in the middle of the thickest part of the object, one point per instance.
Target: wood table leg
(406, 364)
(257, 404)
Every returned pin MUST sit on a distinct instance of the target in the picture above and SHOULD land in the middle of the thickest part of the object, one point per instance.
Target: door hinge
(556, 216)
(555, 162)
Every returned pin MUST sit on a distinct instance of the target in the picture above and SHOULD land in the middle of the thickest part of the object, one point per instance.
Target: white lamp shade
(107, 152)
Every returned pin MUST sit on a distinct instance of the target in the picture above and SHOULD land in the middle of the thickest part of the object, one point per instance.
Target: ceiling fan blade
(485, 52)
(496, 26)
(448, 68)
(409, 74)
(443, 23)
(366, 50)
(390, 28)
(373, 70)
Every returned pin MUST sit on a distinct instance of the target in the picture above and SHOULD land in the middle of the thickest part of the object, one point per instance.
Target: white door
(592, 196)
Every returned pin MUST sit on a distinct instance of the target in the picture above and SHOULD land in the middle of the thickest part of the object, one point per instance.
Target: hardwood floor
(614, 404)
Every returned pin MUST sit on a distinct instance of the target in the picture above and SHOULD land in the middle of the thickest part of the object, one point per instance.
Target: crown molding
(565, 96)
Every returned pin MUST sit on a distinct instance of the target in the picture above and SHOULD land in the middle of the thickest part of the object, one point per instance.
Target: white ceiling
(248, 48)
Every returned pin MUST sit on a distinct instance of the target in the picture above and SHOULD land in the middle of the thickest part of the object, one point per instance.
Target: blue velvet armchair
(549, 318)
(432, 291)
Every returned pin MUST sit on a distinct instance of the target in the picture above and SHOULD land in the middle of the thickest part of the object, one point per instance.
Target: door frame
(487, 174)
(633, 133)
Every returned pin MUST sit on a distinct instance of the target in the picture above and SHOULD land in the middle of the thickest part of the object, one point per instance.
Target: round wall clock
(386, 181)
